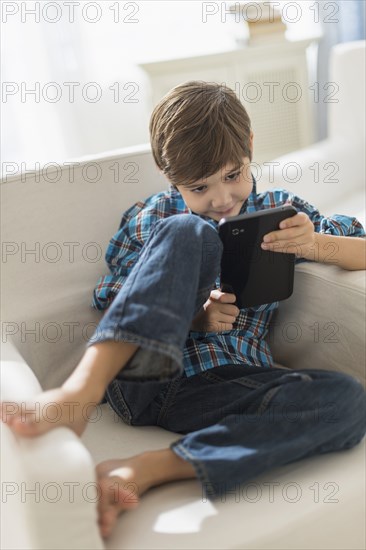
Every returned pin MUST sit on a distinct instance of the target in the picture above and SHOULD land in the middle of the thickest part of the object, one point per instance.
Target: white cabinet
(270, 79)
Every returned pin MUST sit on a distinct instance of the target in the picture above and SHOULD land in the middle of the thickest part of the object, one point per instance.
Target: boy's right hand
(217, 314)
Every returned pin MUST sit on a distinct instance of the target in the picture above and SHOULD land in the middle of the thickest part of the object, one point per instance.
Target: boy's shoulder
(272, 197)
(277, 196)
(159, 205)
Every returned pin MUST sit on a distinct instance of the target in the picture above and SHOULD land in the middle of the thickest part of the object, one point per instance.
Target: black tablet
(254, 275)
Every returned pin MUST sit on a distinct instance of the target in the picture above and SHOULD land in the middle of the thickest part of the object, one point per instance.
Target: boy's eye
(199, 189)
(230, 177)
(234, 176)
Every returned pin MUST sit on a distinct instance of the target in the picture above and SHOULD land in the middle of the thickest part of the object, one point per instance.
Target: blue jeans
(237, 421)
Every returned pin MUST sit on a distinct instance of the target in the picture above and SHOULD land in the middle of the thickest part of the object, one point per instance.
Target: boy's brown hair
(196, 129)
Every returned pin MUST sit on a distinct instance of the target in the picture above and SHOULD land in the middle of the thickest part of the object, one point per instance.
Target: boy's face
(221, 194)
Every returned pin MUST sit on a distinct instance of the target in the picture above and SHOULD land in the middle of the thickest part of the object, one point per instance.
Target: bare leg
(72, 403)
(123, 481)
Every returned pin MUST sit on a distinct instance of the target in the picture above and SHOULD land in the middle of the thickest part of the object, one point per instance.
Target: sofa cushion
(323, 324)
(317, 502)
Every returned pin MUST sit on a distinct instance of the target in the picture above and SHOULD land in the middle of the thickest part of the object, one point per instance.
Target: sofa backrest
(55, 227)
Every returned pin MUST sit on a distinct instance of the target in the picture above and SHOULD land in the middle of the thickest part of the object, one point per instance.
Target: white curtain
(342, 21)
(96, 46)
(38, 53)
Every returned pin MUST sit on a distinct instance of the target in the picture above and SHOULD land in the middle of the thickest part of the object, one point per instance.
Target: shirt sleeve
(336, 224)
(122, 254)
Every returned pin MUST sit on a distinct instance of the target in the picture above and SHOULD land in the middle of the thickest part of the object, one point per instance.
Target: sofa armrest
(322, 325)
(48, 482)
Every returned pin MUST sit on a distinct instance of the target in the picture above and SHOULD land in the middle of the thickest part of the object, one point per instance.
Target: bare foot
(123, 481)
(72, 404)
(50, 409)
(121, 484)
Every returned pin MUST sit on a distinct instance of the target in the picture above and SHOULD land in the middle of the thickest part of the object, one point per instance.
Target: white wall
(38, 51)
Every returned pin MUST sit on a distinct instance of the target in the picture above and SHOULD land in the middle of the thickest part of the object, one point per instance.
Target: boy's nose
(222, 203)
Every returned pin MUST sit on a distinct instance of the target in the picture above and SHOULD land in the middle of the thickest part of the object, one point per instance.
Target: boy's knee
(349, 384)
(183, 223)
(354, 390)
(193, 238)
(337, 396)
(191, 230)
(348, 396)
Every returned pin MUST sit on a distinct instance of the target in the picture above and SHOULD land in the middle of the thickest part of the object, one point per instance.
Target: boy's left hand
(295, 236)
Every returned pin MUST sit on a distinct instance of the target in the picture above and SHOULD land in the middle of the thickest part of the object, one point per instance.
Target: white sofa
(46, 317)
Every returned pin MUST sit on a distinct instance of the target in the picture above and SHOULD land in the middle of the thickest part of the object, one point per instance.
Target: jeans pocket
(165, 399)
(116, 401)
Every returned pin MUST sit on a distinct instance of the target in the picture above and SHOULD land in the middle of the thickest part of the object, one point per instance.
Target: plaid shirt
(245, 343)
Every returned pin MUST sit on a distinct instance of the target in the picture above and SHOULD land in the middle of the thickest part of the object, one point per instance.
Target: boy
(173, 350)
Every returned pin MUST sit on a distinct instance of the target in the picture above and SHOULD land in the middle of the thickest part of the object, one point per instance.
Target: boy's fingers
(216, 294)
(218, 326)
(228, 298)
(224, 320)
(227, 309)
(228, 319)
(223, 297)
(298, 220)
(226, 327)
(283, 235)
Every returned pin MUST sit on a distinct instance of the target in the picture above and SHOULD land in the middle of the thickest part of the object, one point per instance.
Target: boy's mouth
(223, 213)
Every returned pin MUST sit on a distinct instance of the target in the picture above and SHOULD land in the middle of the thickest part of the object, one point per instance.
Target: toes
(26, 425)
(107, 510)
(9, 411)
(19, 420)
(116, 496)
(107, 520)
(25, 419)
(49, 410)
